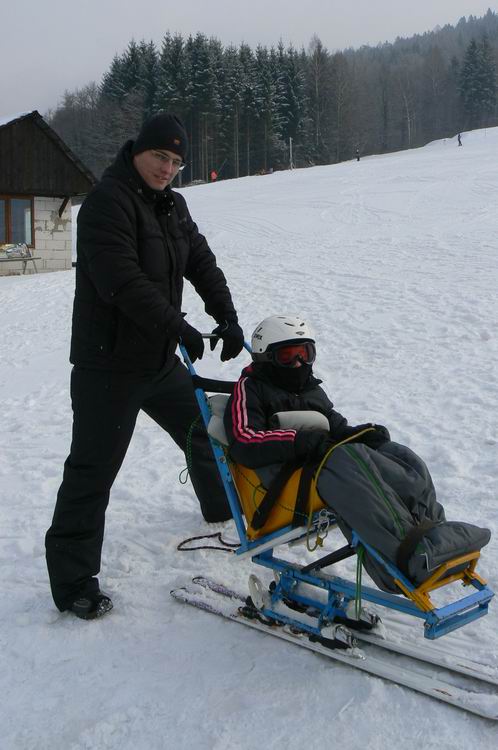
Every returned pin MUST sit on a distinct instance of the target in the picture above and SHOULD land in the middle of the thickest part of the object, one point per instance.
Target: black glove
(192, 341)
(377, 438)
(374, 438)
(312, 444)
(232, 336)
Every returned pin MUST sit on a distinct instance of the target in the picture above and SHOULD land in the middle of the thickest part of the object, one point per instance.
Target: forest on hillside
(249, 111)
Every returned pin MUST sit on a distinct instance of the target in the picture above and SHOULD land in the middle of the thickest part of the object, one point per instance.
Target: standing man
(136, 244)
(459, 136)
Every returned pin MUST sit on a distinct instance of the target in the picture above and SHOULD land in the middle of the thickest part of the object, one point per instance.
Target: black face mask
(291, 379)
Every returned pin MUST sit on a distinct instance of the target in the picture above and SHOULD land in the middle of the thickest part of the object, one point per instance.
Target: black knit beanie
(162, 131)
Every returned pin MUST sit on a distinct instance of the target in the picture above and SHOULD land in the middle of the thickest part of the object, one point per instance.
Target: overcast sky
(49, 46)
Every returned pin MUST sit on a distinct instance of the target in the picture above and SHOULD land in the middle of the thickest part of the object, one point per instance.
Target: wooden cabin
(39, 175)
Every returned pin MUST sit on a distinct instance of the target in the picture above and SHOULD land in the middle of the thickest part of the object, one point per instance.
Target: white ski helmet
(278, 329)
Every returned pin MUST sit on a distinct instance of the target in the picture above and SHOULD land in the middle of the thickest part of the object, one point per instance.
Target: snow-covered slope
(394, 260)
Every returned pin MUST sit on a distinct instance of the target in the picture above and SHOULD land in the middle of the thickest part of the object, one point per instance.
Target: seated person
(375, 486)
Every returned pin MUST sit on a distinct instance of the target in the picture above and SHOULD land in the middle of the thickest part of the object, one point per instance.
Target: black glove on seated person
(232, 336)
(192, 341)
(315, 443)
(376, 438)
(376, 435)
(312, 444)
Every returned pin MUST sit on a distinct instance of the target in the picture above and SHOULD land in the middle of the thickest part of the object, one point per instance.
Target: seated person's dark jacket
(252, 442)
(135, 247)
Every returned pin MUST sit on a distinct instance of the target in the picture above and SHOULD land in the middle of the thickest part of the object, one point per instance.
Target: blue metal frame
(437, 622)
(246, 545)
(340, 593)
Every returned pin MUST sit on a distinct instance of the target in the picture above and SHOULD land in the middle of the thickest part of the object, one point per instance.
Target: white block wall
(52, 235)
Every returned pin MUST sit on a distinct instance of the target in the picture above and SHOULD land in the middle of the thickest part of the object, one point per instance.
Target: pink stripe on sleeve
(241, 428)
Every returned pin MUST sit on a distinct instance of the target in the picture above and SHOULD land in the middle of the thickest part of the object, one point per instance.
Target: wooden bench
(24, 260)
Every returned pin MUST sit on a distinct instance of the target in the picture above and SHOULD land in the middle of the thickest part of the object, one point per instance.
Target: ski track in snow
(394, 261)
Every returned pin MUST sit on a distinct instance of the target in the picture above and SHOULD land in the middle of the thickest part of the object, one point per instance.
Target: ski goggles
(288, 354)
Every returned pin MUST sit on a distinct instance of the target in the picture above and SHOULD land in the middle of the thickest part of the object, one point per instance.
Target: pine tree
(132, 104)
(487, 77)
(385, 105)
(203, 93)
(318, 91)
(113, 85)
(469, 87)
(434, 93)
(268, 144)
(232, 96)
(341, 99)
(406, 78)
(148, 77)
(131, 66)
(478, 82)
(218, 128)
(280, 110)
(249, 103)
(173, 76)
(292, 107)
(453, 120)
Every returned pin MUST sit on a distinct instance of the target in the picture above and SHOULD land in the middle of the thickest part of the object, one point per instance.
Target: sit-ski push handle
(187, 359)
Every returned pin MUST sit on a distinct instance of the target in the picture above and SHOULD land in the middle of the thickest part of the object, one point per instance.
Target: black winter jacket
(252, 442)
(135, 247)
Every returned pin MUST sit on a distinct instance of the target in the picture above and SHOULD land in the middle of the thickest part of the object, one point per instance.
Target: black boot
(95, 604)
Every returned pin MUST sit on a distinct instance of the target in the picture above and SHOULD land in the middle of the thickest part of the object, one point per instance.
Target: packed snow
(394, 261)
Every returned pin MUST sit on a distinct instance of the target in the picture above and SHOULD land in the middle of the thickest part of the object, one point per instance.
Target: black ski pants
(105, 408)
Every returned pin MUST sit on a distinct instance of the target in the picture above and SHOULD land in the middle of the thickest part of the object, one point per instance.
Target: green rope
(359, 569)
(319, 540)
(184, 474)
(378, 489)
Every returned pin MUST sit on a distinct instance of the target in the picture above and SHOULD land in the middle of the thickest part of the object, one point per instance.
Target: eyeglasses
(177, 164)
(288, 355)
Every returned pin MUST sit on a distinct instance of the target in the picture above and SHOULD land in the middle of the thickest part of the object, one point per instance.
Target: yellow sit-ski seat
(251, 493)
(249, 488)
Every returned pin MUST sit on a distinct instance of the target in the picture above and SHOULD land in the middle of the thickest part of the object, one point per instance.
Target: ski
(422, 652)
(472, 694)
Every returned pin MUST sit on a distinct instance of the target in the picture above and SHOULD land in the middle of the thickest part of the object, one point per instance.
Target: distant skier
(357, 154)
(459, 136)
